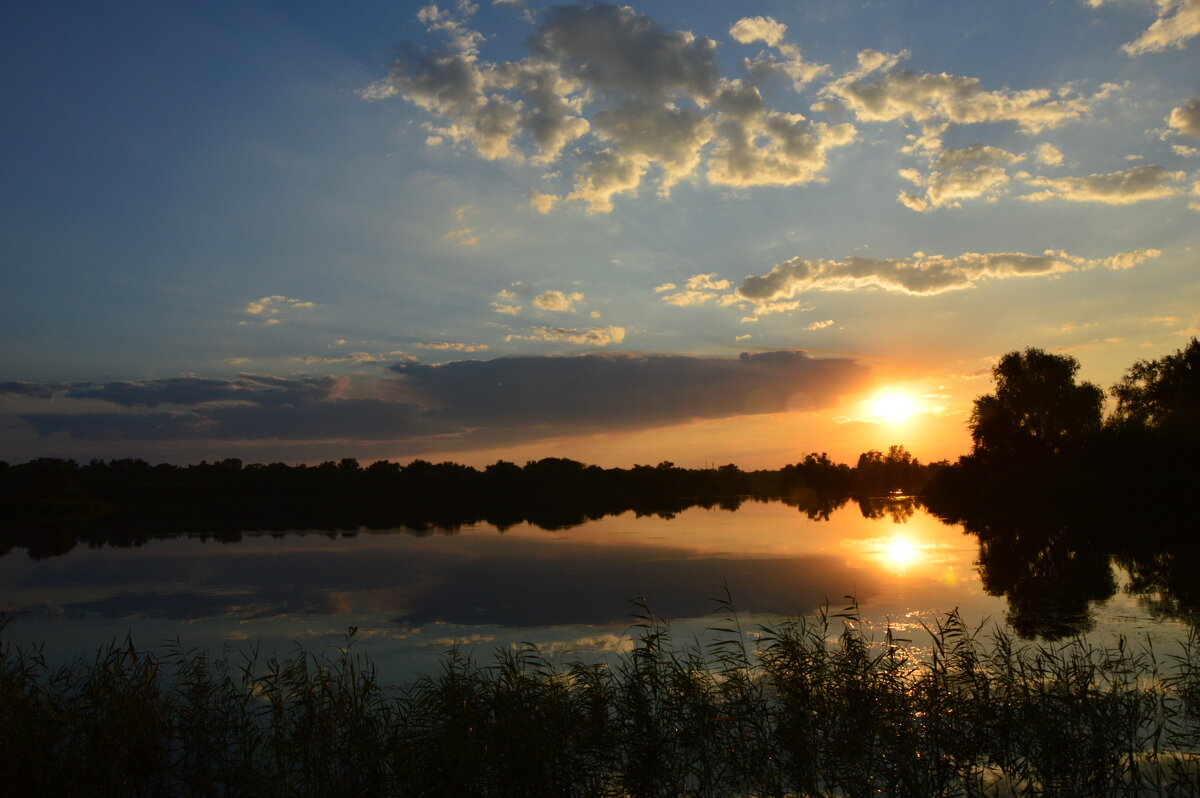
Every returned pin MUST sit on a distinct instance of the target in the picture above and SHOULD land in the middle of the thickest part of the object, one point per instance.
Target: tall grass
(808, 707)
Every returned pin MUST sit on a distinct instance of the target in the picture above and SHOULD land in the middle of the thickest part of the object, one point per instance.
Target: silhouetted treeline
(47, 505)
(1057, 493)
(1041, 431)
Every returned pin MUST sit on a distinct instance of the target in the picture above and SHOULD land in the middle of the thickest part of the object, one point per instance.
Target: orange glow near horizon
(893, 406)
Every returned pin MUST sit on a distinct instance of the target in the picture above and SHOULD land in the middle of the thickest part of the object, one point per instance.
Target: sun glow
(892, 405)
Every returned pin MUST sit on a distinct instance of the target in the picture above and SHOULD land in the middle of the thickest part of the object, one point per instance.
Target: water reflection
(447, 579)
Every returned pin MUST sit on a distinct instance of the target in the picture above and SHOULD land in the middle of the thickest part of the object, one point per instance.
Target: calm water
(413, 594)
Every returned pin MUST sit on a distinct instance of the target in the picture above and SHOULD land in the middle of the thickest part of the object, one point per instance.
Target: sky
(696, 232)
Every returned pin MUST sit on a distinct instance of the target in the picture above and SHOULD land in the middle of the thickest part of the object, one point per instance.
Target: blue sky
(697, 232)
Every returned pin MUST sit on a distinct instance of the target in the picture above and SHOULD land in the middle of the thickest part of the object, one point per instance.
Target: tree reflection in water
(1052, 562)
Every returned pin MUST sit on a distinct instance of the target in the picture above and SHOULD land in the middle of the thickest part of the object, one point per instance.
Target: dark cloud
(465, 402)
(354, 419)
(625, 390)
(257, 389)
(31, 390)
(618, 49)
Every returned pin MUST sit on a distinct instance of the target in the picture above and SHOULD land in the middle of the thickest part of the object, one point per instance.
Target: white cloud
(820, 325)
(557, 301)
(353, 357)
(638, 102)
(542, 203)
(1047, 154)
(1185, 119)
(755, 146)
(506, 302)
(698, 289)
(590, 336)
(274, 310)
(758, 29)
(790, 66)
(958, 174)
(452, 347)
(1178, 21)
(952, 98)
(919, 275)
(1136, 184)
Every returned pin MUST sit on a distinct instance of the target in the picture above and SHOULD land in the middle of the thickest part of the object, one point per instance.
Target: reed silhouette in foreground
(800, 708)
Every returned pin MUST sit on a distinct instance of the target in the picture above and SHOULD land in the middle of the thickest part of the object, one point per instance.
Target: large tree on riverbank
(1163, 394)
(1037, 408)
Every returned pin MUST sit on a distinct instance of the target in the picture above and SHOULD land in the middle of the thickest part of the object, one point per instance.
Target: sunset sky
(697, 232)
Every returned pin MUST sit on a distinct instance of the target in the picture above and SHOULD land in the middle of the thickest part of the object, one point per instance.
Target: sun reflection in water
(900, 553)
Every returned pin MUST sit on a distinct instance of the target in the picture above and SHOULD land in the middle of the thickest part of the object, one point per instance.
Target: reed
(808, 707)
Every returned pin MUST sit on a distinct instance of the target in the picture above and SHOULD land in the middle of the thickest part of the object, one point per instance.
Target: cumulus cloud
(920, 275)
(958, 174)
(819, 325)
(755, 146)
(942, 97)
(790, 64)
(272, 310)
(588, 336)
(506, 302)
(1047, 154)
(623, 98)
(1185, 119)
(557, 301)
(1114, 188)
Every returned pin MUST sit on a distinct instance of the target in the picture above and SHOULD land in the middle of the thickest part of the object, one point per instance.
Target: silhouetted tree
(1162, 394)
(1037, 408)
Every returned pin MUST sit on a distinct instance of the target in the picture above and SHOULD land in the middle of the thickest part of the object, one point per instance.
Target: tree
(1162, 394)
(1037, 408)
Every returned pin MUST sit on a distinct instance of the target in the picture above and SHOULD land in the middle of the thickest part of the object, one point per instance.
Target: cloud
(590, 336)
(619, 50)
(950, 98)
(1047, 154)
(353, 357)
(353, 419)
(638, 102)
(463, 236)
(542, 203)
(1185, 119)
(819, 325)
(254, 389)
(32, 390)
(557, 301)
(920, 275)
(462, 403)
(273, 310)
(626, 390)
(506, 302)
(699, 288)
(791, 66)
(452, 347)
(1178, 21)
(958, 174)
(755, 146)
(1115, 188)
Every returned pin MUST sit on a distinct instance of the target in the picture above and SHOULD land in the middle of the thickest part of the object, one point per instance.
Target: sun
(892, 405)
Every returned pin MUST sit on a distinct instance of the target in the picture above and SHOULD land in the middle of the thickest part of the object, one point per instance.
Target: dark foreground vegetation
(805, 711)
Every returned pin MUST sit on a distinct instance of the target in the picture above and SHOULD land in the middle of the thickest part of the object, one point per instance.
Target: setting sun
(892, 406)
